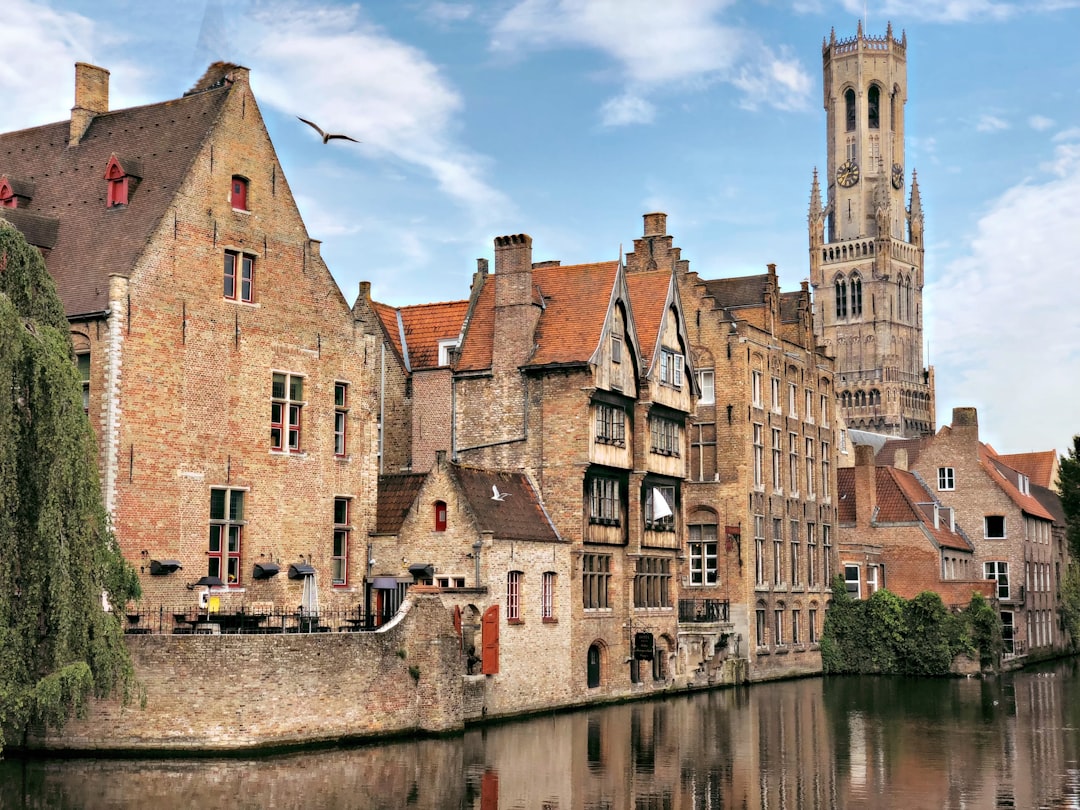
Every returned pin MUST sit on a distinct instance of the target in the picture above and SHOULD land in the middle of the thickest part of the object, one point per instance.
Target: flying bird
(496, 495)
(326, 136)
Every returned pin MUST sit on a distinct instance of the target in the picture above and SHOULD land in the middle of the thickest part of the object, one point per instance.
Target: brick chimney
(655, 224)
(91, 98)
(965, 423)
(865, 485)
(515, 315)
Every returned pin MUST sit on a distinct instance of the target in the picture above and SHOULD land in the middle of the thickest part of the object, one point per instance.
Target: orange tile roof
(388, 317)
(424, 326)
(1040, 467)
(576, 299)
(648, 294)
(1005, 477)
(476, 346)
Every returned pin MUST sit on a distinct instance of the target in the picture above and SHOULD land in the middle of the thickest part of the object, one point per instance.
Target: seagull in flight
(326, 136)
(496, 495)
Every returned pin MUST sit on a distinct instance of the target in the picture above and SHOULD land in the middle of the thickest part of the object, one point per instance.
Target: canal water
(1008, 742)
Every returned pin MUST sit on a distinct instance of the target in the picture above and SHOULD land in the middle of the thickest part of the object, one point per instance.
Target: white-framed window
(547, 595)
(776, 404)
(446, 347)
(994, 527)
(872, 581)
(759, 549)
(810, 468)
(707, 384)
(286, 405)
(777, 482)
(793, 463)
(341, 412)
(852, 580)
(778, 626)
(239, 276)
(755, 388)
(1023, 483)
(998, 570)
(513, 596)
(792, 403)
(82, 363)
(824, 410)
(671, 368)
(778, 551)
(808, 405)
(339, 557)
(703, 554)
(946, 478)
(759, 452)
(226, 534)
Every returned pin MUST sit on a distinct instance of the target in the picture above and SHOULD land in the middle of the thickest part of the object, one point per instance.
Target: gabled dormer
(122, 177)
(665, 341)
(15, 193)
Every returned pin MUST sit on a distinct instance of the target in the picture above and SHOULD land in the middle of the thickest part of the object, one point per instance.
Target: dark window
(841, 298)
(849, 109)
(604, 501)
(873, 111)
(610, 425)
(595, 580)
(239, 282)
(652, 582)
(341, 410)
(82, 362)
(856, 296)
(995, 527)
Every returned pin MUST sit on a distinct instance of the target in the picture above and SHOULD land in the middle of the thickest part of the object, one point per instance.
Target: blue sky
(569, 119)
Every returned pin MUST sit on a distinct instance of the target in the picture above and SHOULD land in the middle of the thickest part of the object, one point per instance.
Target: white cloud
(681, 46)
(627, 109)
(958, 11)
(447, 12)
(1040, 123)
(991, 123)
(329, 65)
(1009, 344)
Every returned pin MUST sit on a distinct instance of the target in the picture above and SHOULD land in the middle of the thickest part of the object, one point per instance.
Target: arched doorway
(595, 659)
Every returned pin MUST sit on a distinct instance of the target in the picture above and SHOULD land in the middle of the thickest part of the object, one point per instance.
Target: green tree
(58, 558)
(984, 628)
(1069, 491)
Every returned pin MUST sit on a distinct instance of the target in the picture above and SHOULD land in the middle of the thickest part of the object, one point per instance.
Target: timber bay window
(604, 506)
(286, 405)
(660, 508)
(341, 410)
(994, 527)
(595, 581)
(652, 582)
(610, 425)
(671, 368)
(513, 597)
(998, 571)
(703, 554)
(339, 558)
(547, 596)
(707, 383)
(664, 434)
(239, 282)
(226, 534)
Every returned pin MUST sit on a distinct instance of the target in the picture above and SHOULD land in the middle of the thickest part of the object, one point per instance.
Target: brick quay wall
(238, 692)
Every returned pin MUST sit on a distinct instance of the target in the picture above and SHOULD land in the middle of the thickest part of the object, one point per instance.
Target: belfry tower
(866, 247)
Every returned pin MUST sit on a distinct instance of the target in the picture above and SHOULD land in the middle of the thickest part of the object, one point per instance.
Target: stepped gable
(397, 493)
(93, 241)
(518, 516)
(1040, 467)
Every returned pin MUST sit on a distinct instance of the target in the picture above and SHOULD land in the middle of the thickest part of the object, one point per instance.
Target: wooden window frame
(339, 556)
(226, 534)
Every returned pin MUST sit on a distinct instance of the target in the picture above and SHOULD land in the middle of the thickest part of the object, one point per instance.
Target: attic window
(7, 195)
(440, 516)
(117, 192)
(238, 193)
(446, 348)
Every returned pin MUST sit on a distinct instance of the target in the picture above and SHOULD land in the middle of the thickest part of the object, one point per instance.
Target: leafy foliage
(57, 556)
(1069, 490)
(887, 634)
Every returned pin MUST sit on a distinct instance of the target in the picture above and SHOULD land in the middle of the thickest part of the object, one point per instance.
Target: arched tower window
(892, 109)
(849, 108)
(873, 107)
(841, 297)
(900, 296)
(856, 295)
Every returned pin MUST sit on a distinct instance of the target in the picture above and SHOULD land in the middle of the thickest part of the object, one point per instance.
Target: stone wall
(235, 692)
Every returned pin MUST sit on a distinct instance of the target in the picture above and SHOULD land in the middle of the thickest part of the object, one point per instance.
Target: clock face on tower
(848, 173)
(897, 176)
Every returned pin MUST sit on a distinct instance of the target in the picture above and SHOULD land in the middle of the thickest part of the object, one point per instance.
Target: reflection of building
(866, 247)
(1013, 533)
(223, 373)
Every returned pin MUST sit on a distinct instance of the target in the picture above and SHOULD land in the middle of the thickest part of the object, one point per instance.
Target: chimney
(900, 459)
(865, 485)
(515, 315)
(655, 224)
(965, 422)
(365, 291)
(91, 98)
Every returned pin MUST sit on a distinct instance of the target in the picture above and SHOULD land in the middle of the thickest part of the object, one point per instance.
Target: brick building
(762, 464)
(1014, 536)
(230, 388)
(892, 532)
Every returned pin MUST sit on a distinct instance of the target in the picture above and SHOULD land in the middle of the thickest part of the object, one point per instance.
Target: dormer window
(238, 193)
(446, 348)
(117, 193)
(7, 194)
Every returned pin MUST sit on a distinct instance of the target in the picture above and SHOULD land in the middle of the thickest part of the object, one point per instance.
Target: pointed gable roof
(92, 241)
(415, 331)
(396, 495)
(1040, 467)
(518, 515)
(1006, 478)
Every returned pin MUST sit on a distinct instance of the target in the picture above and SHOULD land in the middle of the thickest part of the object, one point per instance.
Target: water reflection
(836, 743)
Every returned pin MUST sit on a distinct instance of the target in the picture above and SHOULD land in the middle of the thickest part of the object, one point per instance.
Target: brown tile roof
(741, 291)
(396, 495)
(845, 491)
(576, 299)
(92, 241)
(518, 516)
(426, 325)
(40, 231)
(1006, 478)
(789, 306)
(648, 294)
(1040, 467)
(887, 454)
(388, 317)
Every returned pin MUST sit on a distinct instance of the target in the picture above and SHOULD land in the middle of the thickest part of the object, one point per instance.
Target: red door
(489, 628)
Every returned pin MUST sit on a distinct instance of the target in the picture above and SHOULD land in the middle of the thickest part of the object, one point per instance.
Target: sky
(570, 119)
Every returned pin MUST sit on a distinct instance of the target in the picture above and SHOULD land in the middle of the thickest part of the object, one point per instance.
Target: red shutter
(457, 622)
(489, 662)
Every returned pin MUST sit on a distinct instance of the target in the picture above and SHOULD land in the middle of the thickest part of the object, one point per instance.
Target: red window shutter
(489, 790)
(457, 621)
(239, 193)
(489, 661)
(440, 516)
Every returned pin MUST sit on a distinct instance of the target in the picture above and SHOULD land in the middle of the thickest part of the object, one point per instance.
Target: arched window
(595, 660)
(900, 296)
(856, 295)
(238, 193)
(875, 396)
(849, 108)
(873, 109)
(117, 192)
(892, 110)
(440, 516)
(841, 297)
(7, 194)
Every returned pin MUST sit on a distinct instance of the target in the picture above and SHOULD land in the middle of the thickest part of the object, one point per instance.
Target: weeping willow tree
(58, 643)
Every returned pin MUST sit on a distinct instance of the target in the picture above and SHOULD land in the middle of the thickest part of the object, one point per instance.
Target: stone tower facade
(866, 246)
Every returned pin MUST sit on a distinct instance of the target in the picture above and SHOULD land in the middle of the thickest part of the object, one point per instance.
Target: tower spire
(815, 198)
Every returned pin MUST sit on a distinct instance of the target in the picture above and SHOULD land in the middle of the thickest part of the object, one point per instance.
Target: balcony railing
(703, 610)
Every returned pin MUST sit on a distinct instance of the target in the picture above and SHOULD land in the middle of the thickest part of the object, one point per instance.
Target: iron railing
(703, 610)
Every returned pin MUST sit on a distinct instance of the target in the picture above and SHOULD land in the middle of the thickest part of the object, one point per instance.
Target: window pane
(217, 504)
(339, 394)
(236, 505)
(341, 511)
(215, 538)
(278, 388)
(296, 388)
